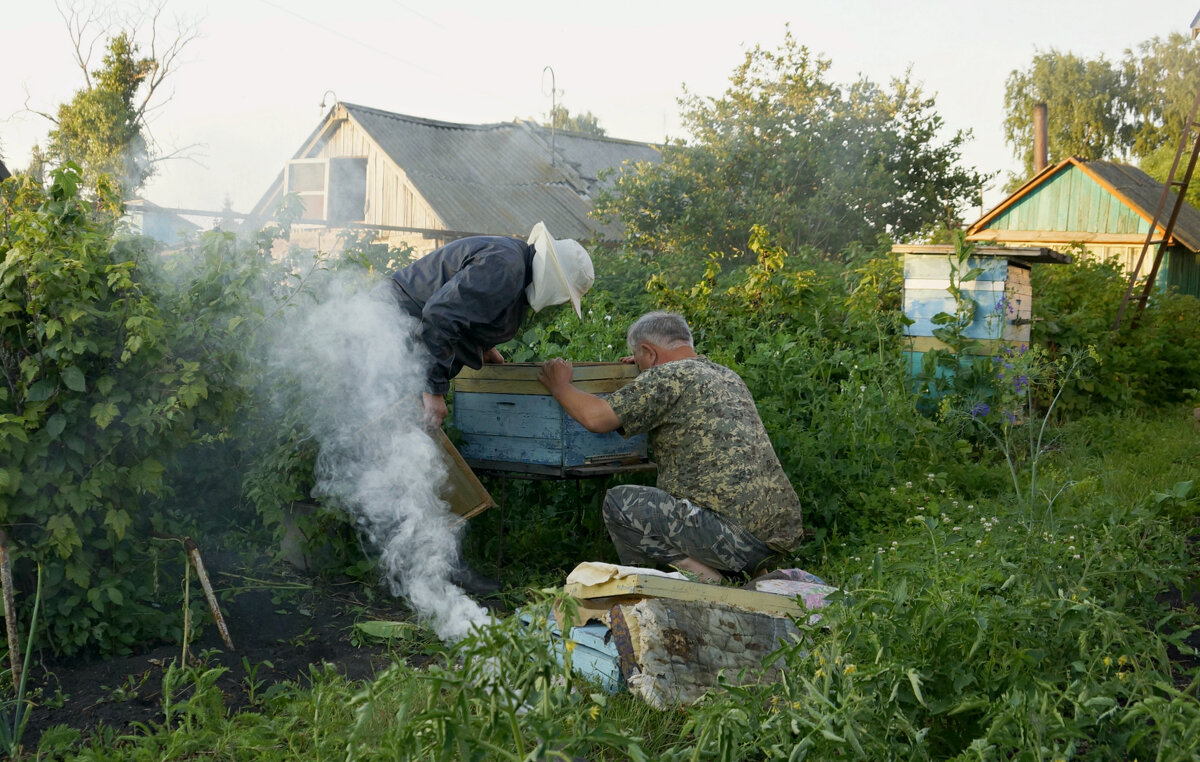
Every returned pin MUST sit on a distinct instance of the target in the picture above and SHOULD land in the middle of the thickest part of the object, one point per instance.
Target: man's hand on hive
(556, 373)
(493, 356)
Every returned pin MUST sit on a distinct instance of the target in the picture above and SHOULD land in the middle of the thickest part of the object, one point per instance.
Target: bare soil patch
(278, 634)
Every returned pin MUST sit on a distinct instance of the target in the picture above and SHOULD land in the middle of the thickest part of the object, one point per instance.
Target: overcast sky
(248, 90)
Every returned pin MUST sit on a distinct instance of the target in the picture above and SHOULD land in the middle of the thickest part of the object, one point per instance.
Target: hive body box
(1002, 293)
(509, 421)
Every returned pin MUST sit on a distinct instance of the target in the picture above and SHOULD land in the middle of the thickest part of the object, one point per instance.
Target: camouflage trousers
(649, 526)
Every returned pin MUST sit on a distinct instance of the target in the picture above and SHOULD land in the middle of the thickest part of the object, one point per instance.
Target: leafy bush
(94, 396)
(124, 376)
(817, 340)
(1153, 362)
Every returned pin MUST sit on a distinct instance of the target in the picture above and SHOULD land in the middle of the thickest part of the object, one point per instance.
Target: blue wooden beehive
(594, 655)
(1002, 292)
(509, 421)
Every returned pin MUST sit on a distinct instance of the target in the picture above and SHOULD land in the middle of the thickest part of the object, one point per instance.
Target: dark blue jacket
(469, 296)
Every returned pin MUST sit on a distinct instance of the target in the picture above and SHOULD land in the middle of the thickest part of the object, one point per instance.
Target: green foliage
(960, 632)
(102, 129)
(1162, 73)
(12, 726)
(817, 341)
(1102, 109)
(813, 162)
(1155, 362)
(92, 398)
(121, 376)
(1087, 102)
(586, 123)
(361, 251)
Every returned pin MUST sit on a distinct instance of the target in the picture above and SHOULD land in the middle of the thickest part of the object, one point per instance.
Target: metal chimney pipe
(1039, 137)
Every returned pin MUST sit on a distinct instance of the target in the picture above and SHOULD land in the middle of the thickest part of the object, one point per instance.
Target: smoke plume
(357, 364)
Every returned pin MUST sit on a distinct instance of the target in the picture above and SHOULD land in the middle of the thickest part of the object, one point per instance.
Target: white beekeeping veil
(562, 271)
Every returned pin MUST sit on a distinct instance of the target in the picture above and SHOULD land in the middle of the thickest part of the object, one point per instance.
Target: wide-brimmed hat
(562, 271)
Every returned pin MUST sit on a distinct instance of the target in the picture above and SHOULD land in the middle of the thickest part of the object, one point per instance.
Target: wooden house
(1106, 207)
(422, 182)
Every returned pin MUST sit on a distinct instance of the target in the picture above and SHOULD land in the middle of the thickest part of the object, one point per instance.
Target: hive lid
(1031, 254)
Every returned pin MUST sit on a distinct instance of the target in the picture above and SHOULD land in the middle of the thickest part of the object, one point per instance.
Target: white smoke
(355, 359)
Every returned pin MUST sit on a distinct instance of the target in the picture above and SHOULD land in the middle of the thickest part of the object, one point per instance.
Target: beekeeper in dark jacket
(471, 295)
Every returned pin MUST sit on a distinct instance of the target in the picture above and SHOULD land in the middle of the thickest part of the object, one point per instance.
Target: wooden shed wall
(1072, 208)
(1183, 271)
(391, 199)
(1072, 202)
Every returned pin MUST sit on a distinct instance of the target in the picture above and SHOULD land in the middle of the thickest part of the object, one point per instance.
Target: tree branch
(78, 25)
(165, 60)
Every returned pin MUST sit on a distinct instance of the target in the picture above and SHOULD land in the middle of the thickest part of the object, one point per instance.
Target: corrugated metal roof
(1143, 192)
(498, 178)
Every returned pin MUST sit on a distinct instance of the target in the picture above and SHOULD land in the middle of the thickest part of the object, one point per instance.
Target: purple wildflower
(1021, 384)
(1010, 416)
(980, 410)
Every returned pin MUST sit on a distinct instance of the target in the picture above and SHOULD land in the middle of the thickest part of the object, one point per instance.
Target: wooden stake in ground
(10, 610)
(193, 552)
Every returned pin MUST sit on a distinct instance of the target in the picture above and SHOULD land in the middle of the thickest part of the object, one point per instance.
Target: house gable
(433, 177)
(1068, 205)
(1105, 206)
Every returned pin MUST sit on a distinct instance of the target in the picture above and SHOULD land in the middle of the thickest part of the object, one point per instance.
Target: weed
(251, 682)
(14, 713)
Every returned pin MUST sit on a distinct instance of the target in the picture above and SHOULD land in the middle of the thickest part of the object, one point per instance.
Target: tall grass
(962, 632)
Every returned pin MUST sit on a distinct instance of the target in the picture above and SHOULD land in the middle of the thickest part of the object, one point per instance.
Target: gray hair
(664, 329)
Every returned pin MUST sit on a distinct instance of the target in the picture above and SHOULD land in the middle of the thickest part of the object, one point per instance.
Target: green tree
(103, 128)
(1163, 76)
(1166, 75)
(1088, 106)
(1132, 110)
(587, 122)
(814, 162)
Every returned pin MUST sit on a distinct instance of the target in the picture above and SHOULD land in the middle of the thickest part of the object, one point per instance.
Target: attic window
(306, 178)
(333, 190)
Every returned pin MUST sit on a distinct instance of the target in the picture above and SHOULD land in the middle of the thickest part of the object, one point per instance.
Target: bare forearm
(592, 412)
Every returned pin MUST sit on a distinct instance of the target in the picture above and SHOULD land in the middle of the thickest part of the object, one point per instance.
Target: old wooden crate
(509, 421)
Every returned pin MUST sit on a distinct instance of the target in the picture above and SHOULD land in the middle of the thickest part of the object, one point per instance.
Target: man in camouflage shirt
(722, 502)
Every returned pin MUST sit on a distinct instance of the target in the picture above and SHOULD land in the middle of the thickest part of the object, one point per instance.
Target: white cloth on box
(598, 572)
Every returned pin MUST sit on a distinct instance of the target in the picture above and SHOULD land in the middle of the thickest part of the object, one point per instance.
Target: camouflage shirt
(711, 447)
